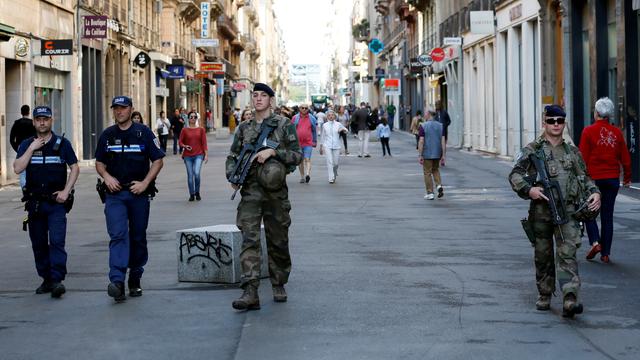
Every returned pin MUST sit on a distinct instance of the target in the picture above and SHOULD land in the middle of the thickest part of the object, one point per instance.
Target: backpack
(372, 120)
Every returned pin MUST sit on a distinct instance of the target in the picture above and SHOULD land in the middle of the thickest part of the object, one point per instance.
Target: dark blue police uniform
(127, 155)
(46, 174)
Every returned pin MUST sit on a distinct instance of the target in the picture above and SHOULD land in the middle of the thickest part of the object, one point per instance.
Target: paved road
(378, 273)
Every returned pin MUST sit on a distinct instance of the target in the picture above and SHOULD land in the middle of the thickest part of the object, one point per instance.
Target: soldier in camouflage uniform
(265, 199)
(565, 165)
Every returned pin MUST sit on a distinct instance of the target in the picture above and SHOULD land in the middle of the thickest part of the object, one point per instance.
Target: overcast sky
(304, 25)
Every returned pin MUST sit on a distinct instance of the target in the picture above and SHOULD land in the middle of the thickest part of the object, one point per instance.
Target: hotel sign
(204, 17)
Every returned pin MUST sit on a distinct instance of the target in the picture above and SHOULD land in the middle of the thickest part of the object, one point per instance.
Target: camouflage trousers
(565, 265)
(272, 208)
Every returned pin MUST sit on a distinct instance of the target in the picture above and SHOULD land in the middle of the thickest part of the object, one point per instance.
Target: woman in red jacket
(194, 141)
(604, 150)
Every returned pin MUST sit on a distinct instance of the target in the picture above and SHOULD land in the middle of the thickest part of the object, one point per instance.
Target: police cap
(42, 111)
(121, 101)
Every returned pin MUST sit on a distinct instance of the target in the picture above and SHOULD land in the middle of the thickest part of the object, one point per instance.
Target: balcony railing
(227, 26)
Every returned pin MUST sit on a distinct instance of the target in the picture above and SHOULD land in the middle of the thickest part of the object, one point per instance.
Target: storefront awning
(6, 32)
(163, 73)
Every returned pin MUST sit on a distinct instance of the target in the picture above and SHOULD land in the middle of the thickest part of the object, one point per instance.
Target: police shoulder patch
(157, 142)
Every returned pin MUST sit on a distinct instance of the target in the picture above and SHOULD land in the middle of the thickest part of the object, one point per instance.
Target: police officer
(47, 189)
(565, 165)
(128, 158)
(265, 198)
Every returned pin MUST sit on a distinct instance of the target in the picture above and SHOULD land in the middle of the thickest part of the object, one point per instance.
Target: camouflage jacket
(564, 164)
(288, 150)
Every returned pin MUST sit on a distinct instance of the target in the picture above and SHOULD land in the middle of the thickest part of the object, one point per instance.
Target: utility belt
(103, 190)
(32, 203)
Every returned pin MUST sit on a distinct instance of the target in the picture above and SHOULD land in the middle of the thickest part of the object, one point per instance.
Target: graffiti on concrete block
(210, 248)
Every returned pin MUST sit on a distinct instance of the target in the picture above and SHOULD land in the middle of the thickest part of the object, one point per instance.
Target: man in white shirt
(330, 135)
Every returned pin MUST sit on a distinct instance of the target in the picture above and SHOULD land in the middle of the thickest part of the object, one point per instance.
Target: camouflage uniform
(565, 165)
(259, 204)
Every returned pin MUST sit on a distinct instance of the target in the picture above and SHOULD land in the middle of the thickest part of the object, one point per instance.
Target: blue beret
(121, 101)
(43, 111)
(265, 88)
(554, 110)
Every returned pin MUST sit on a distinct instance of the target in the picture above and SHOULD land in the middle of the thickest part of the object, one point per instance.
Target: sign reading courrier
(56, 47)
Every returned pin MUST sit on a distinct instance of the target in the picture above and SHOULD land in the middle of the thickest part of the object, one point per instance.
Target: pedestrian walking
(442, 116)
(194, 141)
(177, 123)
(383, 131)
(343, 118)
(391, 114)
(564, 166)
(162, 128)
(359, 119)
(247, 115)
(414, 128)
(330, 144)
(128, 158)
(604, 151)
(432, 150)
(21, 130)
(306, 129)
(136, 117)
(265, 197)
(48, 195)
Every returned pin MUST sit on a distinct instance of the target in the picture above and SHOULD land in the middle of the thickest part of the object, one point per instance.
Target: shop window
(53, 99)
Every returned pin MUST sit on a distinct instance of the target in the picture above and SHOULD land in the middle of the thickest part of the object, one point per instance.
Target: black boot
(45, 287)
(57, 289)
(135, 289)
(116, 291)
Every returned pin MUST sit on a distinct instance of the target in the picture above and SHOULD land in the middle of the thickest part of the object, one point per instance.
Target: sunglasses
(303, 108)
(554, 120)
(193, 117)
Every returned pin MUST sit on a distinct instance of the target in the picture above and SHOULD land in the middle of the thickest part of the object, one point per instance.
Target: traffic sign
(376, 46)
(425, 60)
(437, 54)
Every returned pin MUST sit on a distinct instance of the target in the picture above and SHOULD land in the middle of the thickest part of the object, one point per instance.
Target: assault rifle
(246, 156)
(551, 188)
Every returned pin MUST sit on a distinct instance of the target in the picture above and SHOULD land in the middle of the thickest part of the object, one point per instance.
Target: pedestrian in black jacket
(22, 128)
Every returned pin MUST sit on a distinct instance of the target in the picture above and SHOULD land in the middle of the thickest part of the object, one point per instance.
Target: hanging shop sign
(376, 46)
(425, 60)
(392, 86)
(204, 19)
(239, 86)
(56, 47)
(95, 27)
(142, 59)
(175, 72)
(437, 54)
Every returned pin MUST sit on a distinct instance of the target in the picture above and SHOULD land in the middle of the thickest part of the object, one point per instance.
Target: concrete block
(212, 254)
(222, 133)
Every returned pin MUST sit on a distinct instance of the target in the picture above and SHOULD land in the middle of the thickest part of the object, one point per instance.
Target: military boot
(279, 294)
(544, 302)
(570, 306)
(249, 299)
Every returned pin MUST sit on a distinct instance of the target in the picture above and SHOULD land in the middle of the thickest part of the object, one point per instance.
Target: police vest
(47, 171)
(127, 157)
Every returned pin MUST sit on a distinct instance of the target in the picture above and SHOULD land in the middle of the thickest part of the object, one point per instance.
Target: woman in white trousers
(330, 144)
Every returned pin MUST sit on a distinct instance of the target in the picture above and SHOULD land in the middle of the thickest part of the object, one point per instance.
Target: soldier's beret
(554, 110)
(265, 88)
